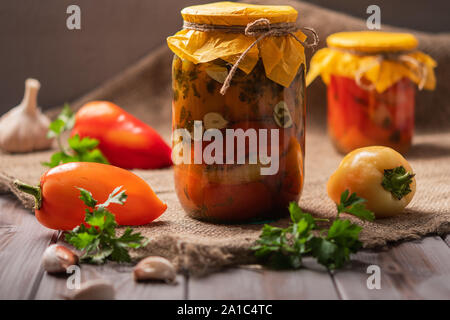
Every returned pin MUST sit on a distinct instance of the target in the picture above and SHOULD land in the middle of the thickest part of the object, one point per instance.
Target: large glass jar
(238, 112)
(239, 192)
(372, 78)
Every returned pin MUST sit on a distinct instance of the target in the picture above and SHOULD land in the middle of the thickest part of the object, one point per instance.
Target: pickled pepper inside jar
(238, 154)
(372, 79)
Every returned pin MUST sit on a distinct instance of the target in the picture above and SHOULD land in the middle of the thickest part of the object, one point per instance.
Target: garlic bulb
(24, 128)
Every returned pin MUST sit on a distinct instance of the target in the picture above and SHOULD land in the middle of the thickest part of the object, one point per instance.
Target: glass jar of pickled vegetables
(238, 113)
(371, 78)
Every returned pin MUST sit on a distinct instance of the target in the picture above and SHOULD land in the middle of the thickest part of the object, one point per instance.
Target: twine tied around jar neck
(402, 57)
(261, 29)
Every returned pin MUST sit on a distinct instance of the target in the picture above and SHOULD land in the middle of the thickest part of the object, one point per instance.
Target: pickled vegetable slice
(281, 115)
(217, 73)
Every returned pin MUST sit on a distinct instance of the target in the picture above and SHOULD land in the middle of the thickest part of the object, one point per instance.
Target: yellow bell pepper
(378, 174)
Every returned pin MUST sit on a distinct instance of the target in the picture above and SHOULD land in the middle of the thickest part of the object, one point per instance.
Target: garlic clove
(154, 268)
(24, 128)
(57, 258)
(98, 289)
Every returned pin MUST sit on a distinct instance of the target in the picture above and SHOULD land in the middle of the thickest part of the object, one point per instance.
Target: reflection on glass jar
(236, 187)
(358, 117)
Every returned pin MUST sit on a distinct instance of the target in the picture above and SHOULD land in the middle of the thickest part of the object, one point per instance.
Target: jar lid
(372, 41)
(232, 13)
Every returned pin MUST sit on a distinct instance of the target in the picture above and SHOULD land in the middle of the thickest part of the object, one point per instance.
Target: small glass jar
(359, 117)
(251, 168)
(371, 78)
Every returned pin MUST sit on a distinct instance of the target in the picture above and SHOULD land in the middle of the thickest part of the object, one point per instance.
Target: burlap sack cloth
(198, 247)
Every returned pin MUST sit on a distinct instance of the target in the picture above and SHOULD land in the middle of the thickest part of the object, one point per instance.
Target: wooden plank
(419, 269)
(22, 242)
(411, 270)
(120, 275)
(312, 282)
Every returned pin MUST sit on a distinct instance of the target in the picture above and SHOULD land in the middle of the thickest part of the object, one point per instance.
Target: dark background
(34, 40)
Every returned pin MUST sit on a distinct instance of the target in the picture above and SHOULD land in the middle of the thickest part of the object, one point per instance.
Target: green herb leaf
(65, 121)
(79, 239)
(119, 253)
(133, 240)
(324, 251)
(82, 145)
(297, 214)
(359, 210)
(99, 241)
(354, 205)
(68, 116)
(55, 128)
(85, 149)
(342, 240)
(397, 181)
(81, 150)
(344, 233)
(347, 201)
(116, 196)
(93, 156)
(97, 219)
(87, 198)
(285, 247)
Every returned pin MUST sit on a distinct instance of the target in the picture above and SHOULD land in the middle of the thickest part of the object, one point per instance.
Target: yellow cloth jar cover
(380, 57)
(281, 55)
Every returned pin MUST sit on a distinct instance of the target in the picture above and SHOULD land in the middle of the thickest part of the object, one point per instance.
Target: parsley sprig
(81, 149)
(99, 242)
(284, 248)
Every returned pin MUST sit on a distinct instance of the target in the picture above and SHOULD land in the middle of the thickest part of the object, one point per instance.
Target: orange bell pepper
(126, 141)
(58, 203)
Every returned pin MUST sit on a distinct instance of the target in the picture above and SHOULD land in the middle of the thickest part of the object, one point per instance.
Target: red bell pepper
(126, 141)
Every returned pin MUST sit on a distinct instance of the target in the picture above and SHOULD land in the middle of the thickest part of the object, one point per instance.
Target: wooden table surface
(411, 270)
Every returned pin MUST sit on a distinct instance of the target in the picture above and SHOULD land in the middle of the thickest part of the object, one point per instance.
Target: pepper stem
(397, 181)
(35, 191)
(401, 179)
